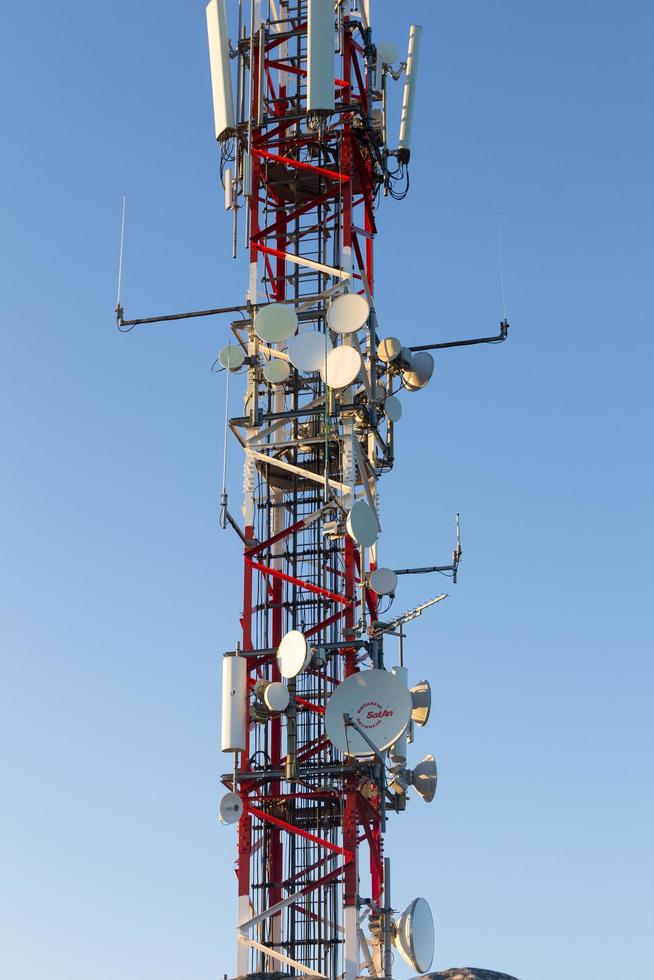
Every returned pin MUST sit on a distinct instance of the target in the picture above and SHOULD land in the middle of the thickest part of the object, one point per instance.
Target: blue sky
(119, 592)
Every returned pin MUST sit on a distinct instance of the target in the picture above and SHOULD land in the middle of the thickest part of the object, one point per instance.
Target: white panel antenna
(320, 68)
(221, 78)
(233, 726)
(408, 99)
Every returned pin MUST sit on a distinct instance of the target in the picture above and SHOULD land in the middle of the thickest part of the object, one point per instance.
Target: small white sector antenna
(409, 95)
(293, 654)
(383, 581)
(307, 351)
(348, 313)
(414, 935)
(230, 808)
(275, 323)
(362, 524)
(341, 367)
(377, 702)
(221, 78)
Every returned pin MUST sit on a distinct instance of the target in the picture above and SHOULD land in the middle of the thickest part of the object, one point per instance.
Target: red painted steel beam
(299, 164)
(317, 589)
(291, 829)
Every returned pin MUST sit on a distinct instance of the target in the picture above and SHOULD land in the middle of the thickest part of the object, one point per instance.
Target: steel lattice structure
(305, 160)
(310, 815)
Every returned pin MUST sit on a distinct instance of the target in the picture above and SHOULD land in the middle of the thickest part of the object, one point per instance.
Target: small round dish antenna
(393, 408)
(420, 372)
(387, 52)
(276, 697)
(232, 357)
(383, 581)
(414, 935)
(389, 349)
(230, 808)
(376, 701)
(275, 323)
(348, 313)
(421, 697)
(293, 654)
(307, 351)
(276, 371)
(362, 524)
(341, 367)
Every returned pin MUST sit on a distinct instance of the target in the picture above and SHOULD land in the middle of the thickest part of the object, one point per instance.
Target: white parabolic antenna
(230, 808)
(293, 654)
(276, 697)
(231, 357)
(376, 701)
(420, 372)
(414, 935)
(307, 351)
(393, 408)
(276, 371)
(275, 323)
(341, 367)
(421, 698)
(383, 581)
(389, 349)
(348, 313)
(362, 524)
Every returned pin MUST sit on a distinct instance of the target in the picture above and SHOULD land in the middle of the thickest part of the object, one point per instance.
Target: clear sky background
(119, 591)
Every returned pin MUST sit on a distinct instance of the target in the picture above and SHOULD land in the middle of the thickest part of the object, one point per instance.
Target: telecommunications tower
(318, 708)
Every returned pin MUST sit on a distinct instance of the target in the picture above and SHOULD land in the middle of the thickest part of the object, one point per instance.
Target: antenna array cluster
(316, 716)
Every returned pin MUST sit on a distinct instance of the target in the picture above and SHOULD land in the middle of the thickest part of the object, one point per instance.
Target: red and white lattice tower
(317, 713)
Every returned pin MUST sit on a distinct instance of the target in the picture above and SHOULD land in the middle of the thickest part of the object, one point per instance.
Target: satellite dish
(383, 581)
(293, 654)
(389, 349)
(275, 323)
(230, 808)
(276, 371)
(348, 313)
(232, 357)
(421, 697)
(414, 935)
(276, 697)
(378, 702)
(393, 408)
(420, 372)
(341, 367)
(307, 351)
(362, 522)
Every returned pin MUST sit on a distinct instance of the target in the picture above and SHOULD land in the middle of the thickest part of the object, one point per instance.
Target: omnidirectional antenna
(119, 309)
(500, 251)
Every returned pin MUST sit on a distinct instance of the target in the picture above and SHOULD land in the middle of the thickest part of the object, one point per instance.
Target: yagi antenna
(119, 309)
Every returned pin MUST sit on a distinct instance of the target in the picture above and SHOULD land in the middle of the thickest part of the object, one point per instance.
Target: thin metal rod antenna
(223, 489)
(122, 252)
(500, 248)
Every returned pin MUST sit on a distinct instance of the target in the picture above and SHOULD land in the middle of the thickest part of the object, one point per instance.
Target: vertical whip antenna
(121, 254)
(500, 251)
